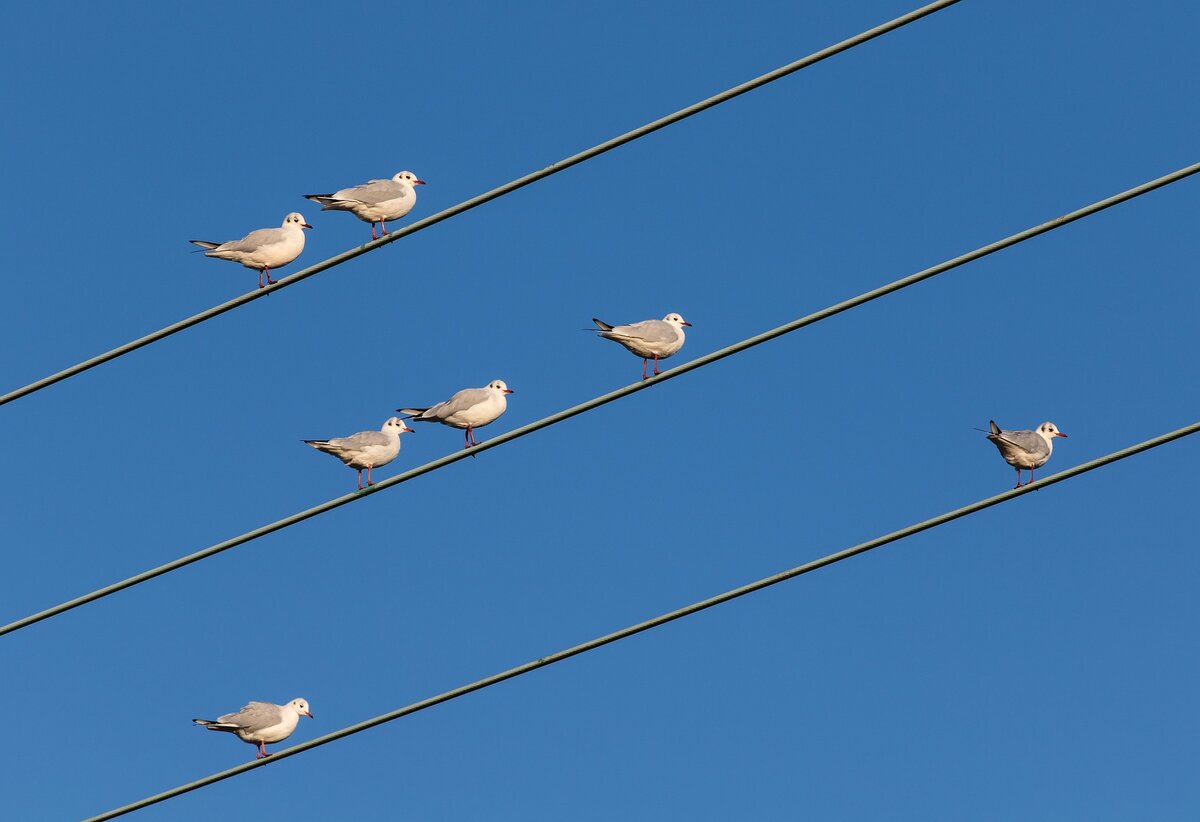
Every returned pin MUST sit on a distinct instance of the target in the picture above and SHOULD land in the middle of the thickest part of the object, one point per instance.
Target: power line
(467, 205)
(604, 399)
(671, 616)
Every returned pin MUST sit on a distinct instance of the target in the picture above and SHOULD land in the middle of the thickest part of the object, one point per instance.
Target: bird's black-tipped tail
(995, 429)
(204, 244)
(315, 443)
(412, 412)
(322, 199)
(602, 324)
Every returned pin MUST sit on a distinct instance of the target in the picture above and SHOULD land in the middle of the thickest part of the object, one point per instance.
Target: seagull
(260, 722)
(375, 201)
(366, 449)
(649, 338)
(470, 408)
(1025, 449)
(264, 249)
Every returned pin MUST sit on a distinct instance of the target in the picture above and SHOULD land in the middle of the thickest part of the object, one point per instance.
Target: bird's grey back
(255, 716)
(362, 439)
(461, 401)
(653, 331)
(1028, 441)
(254, 240)
(374, 192)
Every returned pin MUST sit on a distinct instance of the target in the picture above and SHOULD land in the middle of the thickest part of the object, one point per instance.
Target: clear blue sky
(1036, 661)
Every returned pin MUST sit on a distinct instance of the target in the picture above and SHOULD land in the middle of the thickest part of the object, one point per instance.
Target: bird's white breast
(481, 413)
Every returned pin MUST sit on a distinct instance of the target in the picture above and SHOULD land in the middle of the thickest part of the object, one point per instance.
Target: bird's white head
(676, 320)
(300, 706)
(396, 424)
(1049, 430)
(409, 178)
(295, 219)
(498, 385)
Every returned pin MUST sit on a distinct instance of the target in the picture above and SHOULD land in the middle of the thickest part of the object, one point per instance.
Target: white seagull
(649, 338)
(260, 722)
(470, 408)
(366, 449)
(375, 201)
(263, 249)
(1025, 449)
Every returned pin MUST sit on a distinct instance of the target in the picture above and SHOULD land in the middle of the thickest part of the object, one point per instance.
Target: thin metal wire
(467, 205)
(604, 399)
(671, 616)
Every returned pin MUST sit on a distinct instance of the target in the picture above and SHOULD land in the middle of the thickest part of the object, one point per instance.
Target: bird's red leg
(372, 229)
(260, 282)
(656, 371)
(269, 280)
(359, 479)
(369, 482)
(645, 362)
(383, 225)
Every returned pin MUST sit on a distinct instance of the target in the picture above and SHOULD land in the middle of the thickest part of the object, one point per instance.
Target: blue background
(1035, 661)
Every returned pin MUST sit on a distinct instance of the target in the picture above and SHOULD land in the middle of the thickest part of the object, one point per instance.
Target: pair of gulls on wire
(375, 201)
(260, 722)
(468, 409)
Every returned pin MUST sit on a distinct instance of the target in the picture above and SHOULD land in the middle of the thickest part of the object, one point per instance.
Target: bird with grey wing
(468, 409)
(366, 449)
(263, 249)
(1025, 449)
(375, 201)
(648, 339)
(260, 722)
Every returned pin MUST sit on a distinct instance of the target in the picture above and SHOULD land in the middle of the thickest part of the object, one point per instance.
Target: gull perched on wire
(366, 449)
(1025, 449)
(263, 249)
(260, 722)
(657, 339)
(375, 201)
(469, 409)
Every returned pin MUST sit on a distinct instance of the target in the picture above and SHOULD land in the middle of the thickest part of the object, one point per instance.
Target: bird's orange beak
(418, 182)
(306, 713)
(688, 324)
(305, 225)
(409, 430)
(508, 391)
(1060, 434)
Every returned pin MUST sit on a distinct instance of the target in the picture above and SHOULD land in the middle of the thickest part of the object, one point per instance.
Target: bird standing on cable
(469, 409)
(263, 249)
(1025, 449)
(366, 449)
(375, 201)
(657, 339)
(260, 722)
